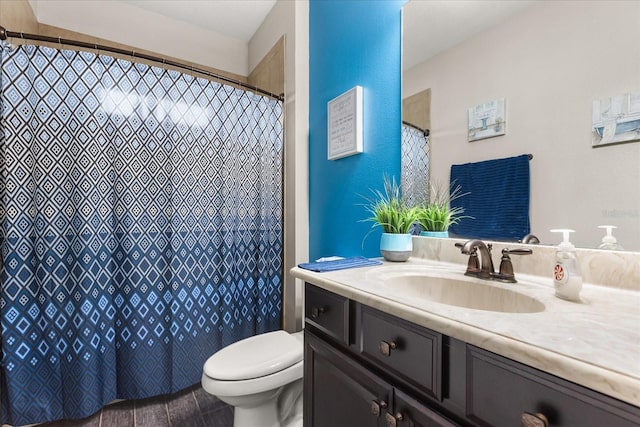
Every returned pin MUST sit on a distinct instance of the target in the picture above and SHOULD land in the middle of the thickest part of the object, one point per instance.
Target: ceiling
(238, 19)
(432, 26)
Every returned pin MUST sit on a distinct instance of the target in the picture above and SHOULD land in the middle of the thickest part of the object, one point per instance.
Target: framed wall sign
(344, 133)
(616, 120)
(487, 120)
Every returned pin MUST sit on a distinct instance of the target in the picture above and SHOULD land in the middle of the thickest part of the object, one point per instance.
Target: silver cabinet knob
(317, 311)
(392, 420)
(534, 420)
(386, 347)
(377, 407)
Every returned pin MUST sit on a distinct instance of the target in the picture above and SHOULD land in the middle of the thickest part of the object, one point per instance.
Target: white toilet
(261, 376)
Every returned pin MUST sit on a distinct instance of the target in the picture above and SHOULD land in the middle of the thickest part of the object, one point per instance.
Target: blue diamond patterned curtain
(414, 165)
(141, 228)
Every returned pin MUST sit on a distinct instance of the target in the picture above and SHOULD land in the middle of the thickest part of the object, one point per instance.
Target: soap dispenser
(567, 278)
(608, 241)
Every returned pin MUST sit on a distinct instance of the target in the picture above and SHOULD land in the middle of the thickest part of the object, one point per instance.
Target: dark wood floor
(190, 408)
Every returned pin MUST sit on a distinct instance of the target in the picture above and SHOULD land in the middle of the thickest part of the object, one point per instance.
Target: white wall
(291, 18)
(550, 63)
(127, 24)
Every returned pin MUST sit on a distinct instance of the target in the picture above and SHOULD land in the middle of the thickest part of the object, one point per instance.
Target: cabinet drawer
(406, 350)
(327, 311)
(499, 391)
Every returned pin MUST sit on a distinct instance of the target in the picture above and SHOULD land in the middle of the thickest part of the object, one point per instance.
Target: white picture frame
(616, 120)
(487, 120)
(344, 124)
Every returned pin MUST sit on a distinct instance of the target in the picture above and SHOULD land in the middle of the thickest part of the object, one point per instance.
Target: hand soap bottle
(567, 278)
(609, 242)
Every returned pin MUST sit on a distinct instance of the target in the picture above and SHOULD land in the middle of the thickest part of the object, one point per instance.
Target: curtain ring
(8, 45)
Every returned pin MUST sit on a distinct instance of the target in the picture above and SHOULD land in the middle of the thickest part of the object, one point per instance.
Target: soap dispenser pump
(567, 278)
(609, 241)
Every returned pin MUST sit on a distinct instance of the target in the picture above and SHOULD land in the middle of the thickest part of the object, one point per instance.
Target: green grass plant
(388, 210)
(437, 214)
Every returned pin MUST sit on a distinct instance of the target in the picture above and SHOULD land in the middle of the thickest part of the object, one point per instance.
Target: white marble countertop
(595, 343)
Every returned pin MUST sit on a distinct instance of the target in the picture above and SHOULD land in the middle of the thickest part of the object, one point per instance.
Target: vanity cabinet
(364, 367)
(341, 392)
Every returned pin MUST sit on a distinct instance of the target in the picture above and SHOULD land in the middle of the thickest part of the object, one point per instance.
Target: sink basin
(457, 290)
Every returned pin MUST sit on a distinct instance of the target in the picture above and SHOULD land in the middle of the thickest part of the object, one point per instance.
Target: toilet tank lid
(255, 357)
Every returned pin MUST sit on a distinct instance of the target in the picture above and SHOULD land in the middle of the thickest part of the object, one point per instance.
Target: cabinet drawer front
(409, 351)
(499, 391)
(327, 311)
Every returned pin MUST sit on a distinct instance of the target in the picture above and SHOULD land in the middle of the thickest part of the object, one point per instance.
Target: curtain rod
(4, 34)
(425, 131)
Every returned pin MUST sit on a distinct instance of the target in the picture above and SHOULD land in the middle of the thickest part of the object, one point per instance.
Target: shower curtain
(414, 165)
(141, 228)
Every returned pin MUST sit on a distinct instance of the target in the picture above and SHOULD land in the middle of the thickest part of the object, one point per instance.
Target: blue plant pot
(396, 247)
(440, 234)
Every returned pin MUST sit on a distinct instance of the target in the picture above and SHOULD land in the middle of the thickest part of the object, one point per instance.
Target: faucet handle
(508, 251)
(473, 264)
(506, 268)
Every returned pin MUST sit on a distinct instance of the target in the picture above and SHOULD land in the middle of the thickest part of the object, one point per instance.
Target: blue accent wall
(351, 43)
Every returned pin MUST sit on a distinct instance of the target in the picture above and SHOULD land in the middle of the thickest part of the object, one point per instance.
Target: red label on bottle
(559, 274)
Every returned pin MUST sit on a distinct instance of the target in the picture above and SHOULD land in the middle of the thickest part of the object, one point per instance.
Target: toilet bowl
(261, 376)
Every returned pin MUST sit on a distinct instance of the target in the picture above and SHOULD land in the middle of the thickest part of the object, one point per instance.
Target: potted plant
(436, 216)
(389, 211)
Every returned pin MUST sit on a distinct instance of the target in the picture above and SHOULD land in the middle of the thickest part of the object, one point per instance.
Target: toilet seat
(254, 357)
(267, 362)
(255, 385)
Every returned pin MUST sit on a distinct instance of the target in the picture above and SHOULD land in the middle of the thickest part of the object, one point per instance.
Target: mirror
(549, 61)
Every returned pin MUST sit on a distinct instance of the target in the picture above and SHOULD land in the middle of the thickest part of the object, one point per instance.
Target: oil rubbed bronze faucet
(531, 239)
(471, 248)
(484, 268)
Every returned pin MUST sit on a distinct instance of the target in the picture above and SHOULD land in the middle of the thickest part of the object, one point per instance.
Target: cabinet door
(338, 392)
(411, 413)
(500, 390)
